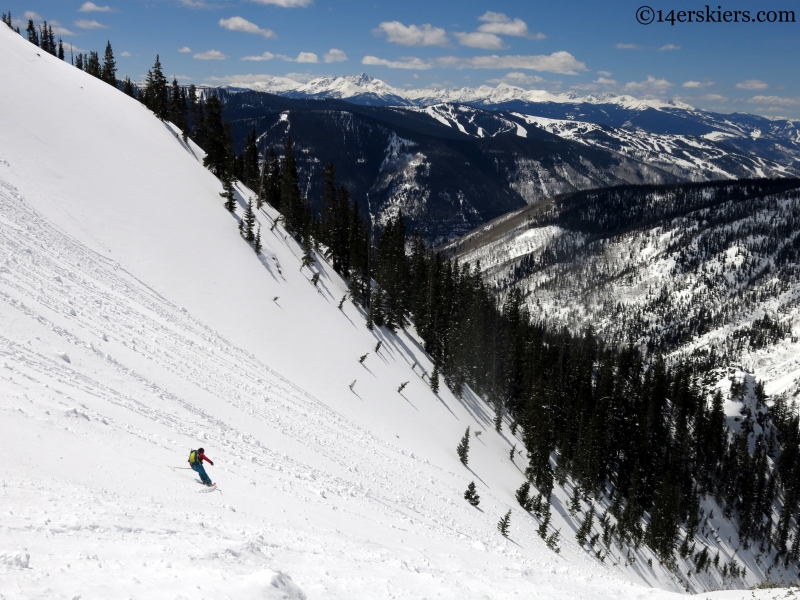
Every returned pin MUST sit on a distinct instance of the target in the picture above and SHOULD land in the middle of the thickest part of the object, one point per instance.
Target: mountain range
(452, 160)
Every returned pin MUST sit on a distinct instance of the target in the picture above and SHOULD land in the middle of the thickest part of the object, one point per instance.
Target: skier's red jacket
(202, 457)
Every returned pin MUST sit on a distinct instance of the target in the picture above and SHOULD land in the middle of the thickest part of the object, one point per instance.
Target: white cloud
(196, 3)
(669, 47)
(605, 73)
(501, 24)
(87, 24)
(300, 77)
(285, 3)
(260, 57)
(605, 81)
(517, 78)
(29, 14)
(92, 7)
(696, 84)
(412, 35)
(557, 62)
(303, 57)
(243, 25)
(774, 100)
(405, 62)
(480, 39)
(627, 46)
(714, 98)
(210, 55)
(126, 54)
(650, 86)
(752, 84)
(184, 50)
(334, 55)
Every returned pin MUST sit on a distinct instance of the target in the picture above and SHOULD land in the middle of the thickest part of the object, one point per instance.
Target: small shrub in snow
(471, 495)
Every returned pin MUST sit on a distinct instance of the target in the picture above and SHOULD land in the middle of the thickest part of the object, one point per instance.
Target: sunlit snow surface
(135, 324)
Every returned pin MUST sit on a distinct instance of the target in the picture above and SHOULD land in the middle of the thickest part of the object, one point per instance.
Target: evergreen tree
(471, 495)
(258, 247)
(108, 73)
(227, 193)
(504, 524)
(155, 94)
(79, 61)
(271, 190)
(435, 379)
(463, 448)
(93, 65)
(215, 138)
(522, 496)
(60, 49)
(291, 200)
(585, 530)
(33, 35)
(250, 171)
(177, 106)
(249, 222)
(127, 87)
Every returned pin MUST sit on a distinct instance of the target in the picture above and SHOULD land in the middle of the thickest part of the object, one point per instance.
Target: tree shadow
(477, 476)
(409, 401)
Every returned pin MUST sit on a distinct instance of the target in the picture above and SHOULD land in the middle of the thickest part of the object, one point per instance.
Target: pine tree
(60, 49)
(463, 448)
(504, 524)
(215, 139)
(93, 65)
(33, 35)
(177, 106)
(250, 172)
(127, 87)
(498, 416)
(108, 72)
(512, 452)
(249, 222)
(402, 387)
(363, 358)
(585, 530)
(156, 95)
(522, 495)
(257, 247)
(271, 190)
(435, 379)
(227, 186)
(471, 495)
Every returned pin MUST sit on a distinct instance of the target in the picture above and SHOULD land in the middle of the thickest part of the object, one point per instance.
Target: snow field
(135, 324)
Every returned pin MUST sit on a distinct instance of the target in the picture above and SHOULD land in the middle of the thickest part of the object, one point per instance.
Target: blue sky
(581, 46)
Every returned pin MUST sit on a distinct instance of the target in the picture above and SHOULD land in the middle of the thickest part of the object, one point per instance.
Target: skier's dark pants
(199, 468)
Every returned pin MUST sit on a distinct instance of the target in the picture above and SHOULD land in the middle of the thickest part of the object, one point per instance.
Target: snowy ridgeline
(718, 285)
(135, 324)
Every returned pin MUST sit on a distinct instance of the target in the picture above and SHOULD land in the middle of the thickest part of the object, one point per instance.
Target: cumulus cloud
(627, 46)
(480, 39)
(696, 84)
(265, 56)
(29, 14)
(286, 3)
(605, 73)
(517, 78)
(87, 24)
(774, 101)
(557, 62)
(752, 84)
(667, 47)
(405, 62)
(412, 35)
(650, 86)
(126, 54)
(210, 55)
(500, 24)
(303, 57)
(184, 50)
(714, 98)
(605, 81)
(245, 26)
(334, 55)
(92, 7)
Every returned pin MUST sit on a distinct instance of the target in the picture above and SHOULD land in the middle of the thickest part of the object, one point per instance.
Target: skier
(196, 458)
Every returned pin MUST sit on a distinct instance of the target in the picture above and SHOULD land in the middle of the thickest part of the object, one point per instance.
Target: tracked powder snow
(136, 324)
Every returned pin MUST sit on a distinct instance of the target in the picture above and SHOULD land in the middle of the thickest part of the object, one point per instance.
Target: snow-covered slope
(136, 324)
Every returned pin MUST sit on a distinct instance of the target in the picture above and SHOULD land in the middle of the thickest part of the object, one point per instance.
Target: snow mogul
(196, 458)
